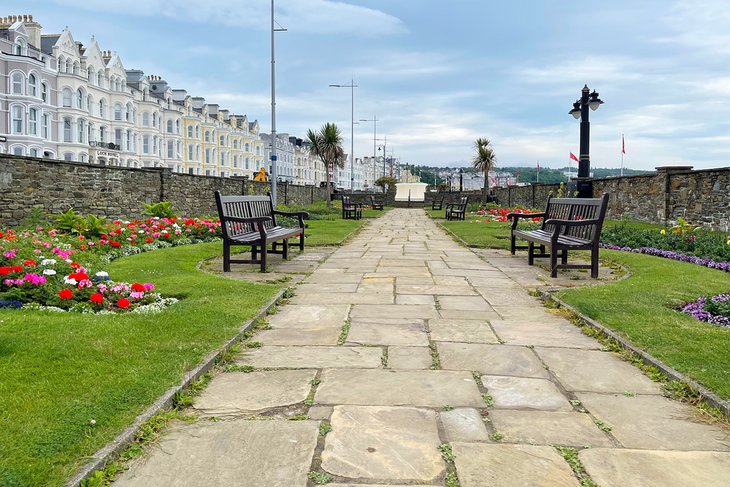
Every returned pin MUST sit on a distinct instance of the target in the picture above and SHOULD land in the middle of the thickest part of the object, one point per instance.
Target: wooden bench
(251, 220)
(350, 210)
(375, 205)
(457, 211)
(437, 204)
(567, 224)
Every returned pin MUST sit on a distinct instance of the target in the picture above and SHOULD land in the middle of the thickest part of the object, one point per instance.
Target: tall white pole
(273, 111)
(622, 155)
(352, 134)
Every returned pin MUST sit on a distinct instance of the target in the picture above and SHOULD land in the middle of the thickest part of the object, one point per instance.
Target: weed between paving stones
(571, 456)
(435, 358)
(451, 479)
(343, 334)
(319, 478)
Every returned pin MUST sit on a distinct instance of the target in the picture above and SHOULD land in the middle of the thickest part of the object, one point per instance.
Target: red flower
(189, 222)
(116, 244)
(16, 268)
(137, 287)
(148, 240)
(79, 276)
(75, 265)
(96, 298)
(118, 231)
(29, 263)
(65, 294)
(5, 270)
(123, 303)
(83, 247)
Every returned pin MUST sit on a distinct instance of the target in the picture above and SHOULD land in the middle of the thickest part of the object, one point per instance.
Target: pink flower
(148, 286)
(136, 295)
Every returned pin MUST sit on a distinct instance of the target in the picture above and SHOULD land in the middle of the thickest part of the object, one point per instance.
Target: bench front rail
(567, 224)
(251, 220)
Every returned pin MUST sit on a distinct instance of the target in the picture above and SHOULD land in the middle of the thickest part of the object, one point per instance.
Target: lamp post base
(584, 187)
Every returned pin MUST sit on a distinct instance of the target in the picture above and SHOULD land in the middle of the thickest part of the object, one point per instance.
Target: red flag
(623, 145)
(572, 156)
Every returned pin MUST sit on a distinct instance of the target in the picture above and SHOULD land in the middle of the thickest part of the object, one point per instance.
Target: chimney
(34, 31)
(198, 102)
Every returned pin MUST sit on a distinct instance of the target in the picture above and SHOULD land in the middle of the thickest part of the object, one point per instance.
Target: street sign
(273, 158)
(3, 138)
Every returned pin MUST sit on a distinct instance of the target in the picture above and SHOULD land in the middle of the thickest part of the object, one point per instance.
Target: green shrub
(163, 209)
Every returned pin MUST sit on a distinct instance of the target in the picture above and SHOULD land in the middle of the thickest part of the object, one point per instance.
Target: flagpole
(623, 151)
(538, 171)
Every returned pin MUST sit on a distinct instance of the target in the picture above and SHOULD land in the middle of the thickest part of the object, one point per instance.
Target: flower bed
(714, 309)
(47, 269)
(500, 214)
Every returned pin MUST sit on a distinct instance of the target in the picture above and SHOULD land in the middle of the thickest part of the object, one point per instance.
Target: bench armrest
(254, 219)
(515, 217)
(572, 223)
(300, 215)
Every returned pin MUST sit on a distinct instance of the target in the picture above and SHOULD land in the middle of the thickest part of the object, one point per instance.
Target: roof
(48, 41)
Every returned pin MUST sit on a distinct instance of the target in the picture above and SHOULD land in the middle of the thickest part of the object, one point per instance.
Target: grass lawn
(60, 371)
(640, 308)
(330, 232)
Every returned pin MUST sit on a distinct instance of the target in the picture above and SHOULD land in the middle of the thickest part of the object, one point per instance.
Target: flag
(538, 166)
(623, 145)
(572, 156)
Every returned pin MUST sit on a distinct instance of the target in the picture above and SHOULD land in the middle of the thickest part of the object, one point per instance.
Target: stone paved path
(442, 347)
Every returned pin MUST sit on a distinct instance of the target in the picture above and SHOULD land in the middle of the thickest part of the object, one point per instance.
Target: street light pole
(352, 87)
(580, 110)
(273, 106)
(385, 145)
(375, 131)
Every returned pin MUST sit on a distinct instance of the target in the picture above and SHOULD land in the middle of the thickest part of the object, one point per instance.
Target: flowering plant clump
(713, 309)
(500, 214)
(40, 267)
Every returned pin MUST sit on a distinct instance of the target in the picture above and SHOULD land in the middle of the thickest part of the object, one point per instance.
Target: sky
(439, 74)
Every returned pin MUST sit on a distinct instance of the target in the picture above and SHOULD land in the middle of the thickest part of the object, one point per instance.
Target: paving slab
(428, 388)
(270, 453)
(414, 358)
(312, 357)
(418, 311)
(465, 314)
(383, 442)
(300, 336)
(238, 392)
(326, 287)
(308, 316)
(463, 424)
(348, 298)
(491, 359)
(485, 465)
(441, 290)
(465, 303)
(320, 412)
(468, 331)
(655, 423)
(595, 371)
(548, 428)
(645, 468)
(332, 276)
(525, 393)
(387, 332)
(415, 299)
(565, 335)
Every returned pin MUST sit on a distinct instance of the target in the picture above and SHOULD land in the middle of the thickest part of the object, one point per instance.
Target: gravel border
(111, 451)
(707, 395)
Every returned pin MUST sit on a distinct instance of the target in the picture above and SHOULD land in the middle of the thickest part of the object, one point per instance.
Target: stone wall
(114, 192)
(701, 197)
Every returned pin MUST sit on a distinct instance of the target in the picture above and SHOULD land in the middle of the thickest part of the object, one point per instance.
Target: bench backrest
(243, 207)
(462, 202)
(577, 209)
(346, 201)
(372, 200)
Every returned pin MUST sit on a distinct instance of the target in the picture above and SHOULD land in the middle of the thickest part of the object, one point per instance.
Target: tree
(386, 181)
(484, 161)
(327, 145)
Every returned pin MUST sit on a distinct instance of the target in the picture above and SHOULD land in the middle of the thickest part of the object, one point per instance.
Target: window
(90, 75)
(145, 119)
(17, 119)
(66, 98)
(190, 152)
(207, 136)
(35, 152)
(89, 104)
(102, 108)
(197, 131)
(67, 130)
(68, 156)
(100, 79)
(129, 114)
(235, 160)
(170, 149)
(169, 126)
(102, 134)
(81, 130)
(177, 127)
(44, 92)
(32, 85)
(17, 82)
(44, 125)
(76, 68)
(223, 158)
(118, 137)
(117, 112)
(190, 132)
(247, 147)
(154, 119)
(235, 144)
(129, 141)
(207, 156)
(146, 144)
(247, 163)
(223, 140)
(79, 99)
(18, 150)
(82, 157)
(258, 150)
(33, 121)
(61, 65)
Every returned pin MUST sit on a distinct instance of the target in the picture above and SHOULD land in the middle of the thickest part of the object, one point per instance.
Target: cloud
(310, 16)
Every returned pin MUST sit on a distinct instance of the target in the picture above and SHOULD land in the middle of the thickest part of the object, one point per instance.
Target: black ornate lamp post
(580, 111)
(461, 180)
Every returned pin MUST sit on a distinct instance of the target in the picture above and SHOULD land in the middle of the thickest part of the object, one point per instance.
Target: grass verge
(71, 382)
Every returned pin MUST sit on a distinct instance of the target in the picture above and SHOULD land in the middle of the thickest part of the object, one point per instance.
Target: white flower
(48, 261)
(102, 274)
(71, 282)
(49, 272)
(92, 422)
(140, 231)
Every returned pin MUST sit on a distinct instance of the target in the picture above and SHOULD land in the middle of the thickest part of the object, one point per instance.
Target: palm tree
(327, 145)
(484, 161)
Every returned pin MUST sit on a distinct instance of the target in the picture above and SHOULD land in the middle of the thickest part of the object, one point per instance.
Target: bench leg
(226, 257)
(301, 241)
(554, 263)
(564, 257)
(254, 252)
(594, 263)
(285, 250)
(512, 245)
(530, 253)
(543, 250)
(263, 257)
